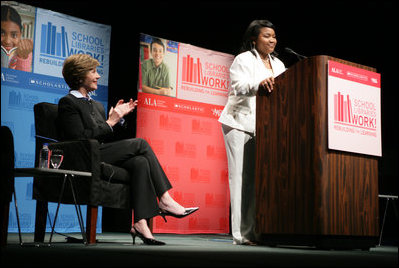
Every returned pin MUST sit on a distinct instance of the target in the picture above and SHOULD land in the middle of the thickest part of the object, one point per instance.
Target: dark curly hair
(252, 33)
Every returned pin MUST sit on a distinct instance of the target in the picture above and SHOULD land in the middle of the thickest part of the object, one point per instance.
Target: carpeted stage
(117, 250)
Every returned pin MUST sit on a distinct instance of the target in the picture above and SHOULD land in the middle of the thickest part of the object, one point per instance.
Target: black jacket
(79, 118)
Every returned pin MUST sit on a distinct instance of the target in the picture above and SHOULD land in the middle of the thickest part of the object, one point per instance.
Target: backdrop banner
(38, 78)
(182, 92)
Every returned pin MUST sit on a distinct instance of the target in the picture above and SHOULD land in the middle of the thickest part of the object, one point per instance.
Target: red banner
(180, 123)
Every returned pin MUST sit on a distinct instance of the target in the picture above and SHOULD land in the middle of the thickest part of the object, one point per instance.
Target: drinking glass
(56, 158)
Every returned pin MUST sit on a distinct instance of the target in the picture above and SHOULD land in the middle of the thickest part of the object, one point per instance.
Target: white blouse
(246, 73)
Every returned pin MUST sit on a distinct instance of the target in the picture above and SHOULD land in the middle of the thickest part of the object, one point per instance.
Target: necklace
(267, 63)
(265, 60)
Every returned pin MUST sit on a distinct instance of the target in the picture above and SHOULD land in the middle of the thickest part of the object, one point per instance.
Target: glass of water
(56, 158)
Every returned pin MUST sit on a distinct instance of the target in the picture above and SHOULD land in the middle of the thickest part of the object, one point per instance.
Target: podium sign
(354, 109)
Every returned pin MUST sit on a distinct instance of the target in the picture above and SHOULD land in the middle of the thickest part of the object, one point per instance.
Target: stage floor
(117, 250)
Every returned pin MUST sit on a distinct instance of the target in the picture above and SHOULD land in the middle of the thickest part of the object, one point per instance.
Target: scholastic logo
(188, 107)
(355, 112)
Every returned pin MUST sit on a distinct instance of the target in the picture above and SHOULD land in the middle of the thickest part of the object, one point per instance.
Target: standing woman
(253, 69)
(80, 117)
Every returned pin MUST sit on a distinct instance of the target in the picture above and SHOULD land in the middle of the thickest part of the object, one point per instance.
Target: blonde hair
(76, 67)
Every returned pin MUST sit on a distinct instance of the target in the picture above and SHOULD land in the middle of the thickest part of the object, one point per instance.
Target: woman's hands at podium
(267, 84)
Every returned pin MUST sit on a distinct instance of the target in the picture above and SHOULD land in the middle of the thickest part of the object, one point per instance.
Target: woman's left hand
(125, 108)
(121, 109)
(267, 84)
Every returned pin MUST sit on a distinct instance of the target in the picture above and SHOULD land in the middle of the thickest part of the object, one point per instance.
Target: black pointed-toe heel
(133, 237)
(147, 241)
(188, 211)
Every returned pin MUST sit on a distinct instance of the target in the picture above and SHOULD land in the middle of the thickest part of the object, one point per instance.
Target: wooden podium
(307, 194)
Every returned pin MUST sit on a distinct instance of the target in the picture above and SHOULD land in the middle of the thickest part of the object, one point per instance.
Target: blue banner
(59, 36)
(38, 78)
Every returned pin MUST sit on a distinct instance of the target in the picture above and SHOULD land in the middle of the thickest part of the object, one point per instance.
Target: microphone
(299, 56)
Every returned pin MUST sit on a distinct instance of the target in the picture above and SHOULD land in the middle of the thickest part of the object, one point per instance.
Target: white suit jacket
(246, 72)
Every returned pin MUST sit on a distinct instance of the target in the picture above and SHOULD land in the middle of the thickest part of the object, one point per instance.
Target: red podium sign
(354, 109)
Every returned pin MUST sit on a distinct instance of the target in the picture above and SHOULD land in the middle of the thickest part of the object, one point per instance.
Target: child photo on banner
(17, 28)
(158, 65)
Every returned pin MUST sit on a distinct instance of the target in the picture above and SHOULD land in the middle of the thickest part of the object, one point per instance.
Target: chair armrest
(80, 155)
(101, 189)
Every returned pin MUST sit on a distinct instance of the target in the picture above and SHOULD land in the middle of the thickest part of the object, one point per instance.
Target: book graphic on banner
(57, 37)
(191, 71)
(343, 114)
(203, 73)
(342, 108)
(53, 43)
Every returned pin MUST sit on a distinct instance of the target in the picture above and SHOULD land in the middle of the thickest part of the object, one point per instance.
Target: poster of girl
(16, 42)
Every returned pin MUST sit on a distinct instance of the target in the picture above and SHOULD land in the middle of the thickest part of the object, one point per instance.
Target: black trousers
(148, 180)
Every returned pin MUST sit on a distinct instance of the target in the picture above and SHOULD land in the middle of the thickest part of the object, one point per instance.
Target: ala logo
(150, 102)
(337, 70)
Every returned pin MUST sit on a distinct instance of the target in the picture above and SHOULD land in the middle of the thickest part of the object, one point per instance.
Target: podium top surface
(327, 57)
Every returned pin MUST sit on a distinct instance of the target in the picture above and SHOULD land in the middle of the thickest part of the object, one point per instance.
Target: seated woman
(80, 117)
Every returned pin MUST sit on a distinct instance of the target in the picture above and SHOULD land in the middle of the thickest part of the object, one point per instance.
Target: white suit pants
(240, 149)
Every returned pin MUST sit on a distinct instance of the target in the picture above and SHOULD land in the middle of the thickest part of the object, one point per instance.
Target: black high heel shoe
(147, 241)
(188, 211)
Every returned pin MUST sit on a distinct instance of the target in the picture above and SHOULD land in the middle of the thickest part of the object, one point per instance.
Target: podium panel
(306, 193)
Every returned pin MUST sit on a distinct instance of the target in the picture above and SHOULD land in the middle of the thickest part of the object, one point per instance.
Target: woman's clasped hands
(121, 109)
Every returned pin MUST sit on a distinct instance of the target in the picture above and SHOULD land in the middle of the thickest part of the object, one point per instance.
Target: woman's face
(157, 53)
(90, 81)
(266, 41)
(10, 34)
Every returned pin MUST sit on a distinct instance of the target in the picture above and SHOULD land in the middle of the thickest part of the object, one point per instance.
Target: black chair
(108, 186)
